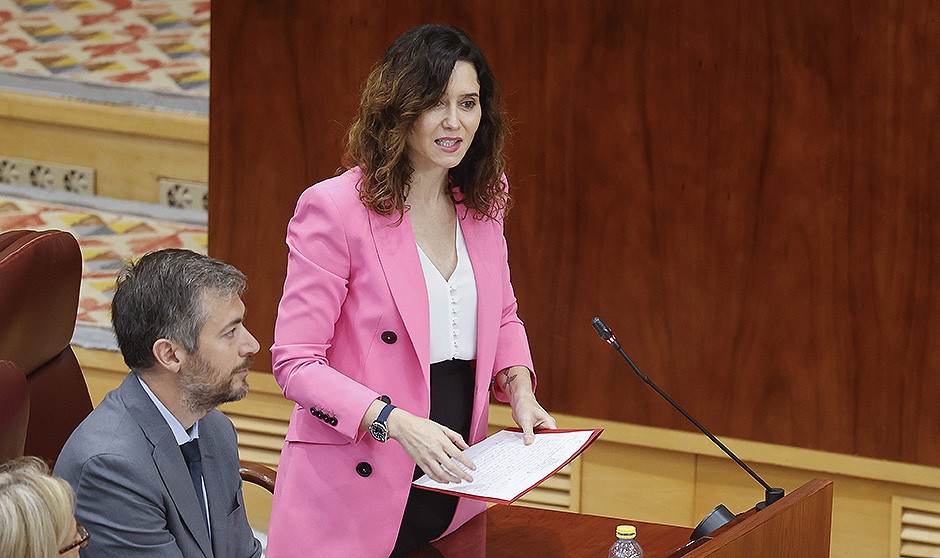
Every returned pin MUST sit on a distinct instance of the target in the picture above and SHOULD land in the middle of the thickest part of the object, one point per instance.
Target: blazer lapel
(479, 236)
(168, 460)
(216, 492)
(179, 484)
(401, 265)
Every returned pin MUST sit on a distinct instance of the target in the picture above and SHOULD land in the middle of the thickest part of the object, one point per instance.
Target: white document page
(507, 468)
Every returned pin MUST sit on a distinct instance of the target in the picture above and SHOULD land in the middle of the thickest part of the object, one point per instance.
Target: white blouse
(453, 306)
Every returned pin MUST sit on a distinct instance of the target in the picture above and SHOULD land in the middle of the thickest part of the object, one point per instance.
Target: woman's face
(442, 134)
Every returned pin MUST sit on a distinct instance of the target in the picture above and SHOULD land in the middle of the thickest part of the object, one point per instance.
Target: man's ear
(169, 354)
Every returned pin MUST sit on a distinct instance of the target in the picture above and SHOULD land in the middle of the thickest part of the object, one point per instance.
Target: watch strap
(383, 414)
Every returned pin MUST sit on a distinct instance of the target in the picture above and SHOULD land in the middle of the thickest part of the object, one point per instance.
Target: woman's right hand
(432, 446)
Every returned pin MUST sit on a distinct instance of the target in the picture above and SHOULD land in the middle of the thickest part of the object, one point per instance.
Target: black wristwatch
(379, 428)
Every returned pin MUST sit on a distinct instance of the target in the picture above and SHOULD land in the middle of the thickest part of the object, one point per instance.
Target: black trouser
(428, 513)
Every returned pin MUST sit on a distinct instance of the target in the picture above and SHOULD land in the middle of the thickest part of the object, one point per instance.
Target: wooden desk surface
(516, 531)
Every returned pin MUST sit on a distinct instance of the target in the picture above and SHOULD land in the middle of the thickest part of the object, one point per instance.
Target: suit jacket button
(314, 412)
(334, 421)
(389, 337)
(364, 469)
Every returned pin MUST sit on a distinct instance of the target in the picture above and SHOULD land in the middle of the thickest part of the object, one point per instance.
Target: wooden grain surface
(746, 193)
(512, 531)
(798, 526)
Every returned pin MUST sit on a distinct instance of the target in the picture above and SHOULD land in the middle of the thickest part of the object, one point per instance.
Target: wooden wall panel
(746, 193)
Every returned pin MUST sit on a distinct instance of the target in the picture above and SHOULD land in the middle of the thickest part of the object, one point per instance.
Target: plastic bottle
(626, 545)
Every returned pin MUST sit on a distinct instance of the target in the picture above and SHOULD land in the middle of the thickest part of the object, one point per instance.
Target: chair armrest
(257, 473)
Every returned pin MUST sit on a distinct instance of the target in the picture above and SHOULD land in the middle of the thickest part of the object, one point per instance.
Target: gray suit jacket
(133, 490)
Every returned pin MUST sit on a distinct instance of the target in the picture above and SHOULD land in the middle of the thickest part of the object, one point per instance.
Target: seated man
(178, 319)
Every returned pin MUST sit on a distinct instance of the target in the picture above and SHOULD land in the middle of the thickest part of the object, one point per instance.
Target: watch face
(379, 431)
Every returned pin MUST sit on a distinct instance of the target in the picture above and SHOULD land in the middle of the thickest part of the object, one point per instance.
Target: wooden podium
(798, 526)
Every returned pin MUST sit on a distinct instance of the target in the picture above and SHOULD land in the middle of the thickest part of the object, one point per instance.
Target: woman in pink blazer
(398, 317)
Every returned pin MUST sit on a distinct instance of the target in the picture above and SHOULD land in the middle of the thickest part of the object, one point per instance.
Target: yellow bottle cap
(626, 531)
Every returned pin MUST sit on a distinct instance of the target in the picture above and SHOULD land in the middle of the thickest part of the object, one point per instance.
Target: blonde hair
(36, 510)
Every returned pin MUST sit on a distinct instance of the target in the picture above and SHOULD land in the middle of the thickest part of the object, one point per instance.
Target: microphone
(720, 515)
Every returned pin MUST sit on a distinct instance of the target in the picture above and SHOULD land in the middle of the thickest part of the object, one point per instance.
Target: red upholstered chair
(40, 276)
(14, 410)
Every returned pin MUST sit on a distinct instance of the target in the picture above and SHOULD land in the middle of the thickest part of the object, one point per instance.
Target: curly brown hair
(410, 79)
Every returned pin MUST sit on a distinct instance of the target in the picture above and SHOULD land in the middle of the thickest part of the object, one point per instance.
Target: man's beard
(203, 389)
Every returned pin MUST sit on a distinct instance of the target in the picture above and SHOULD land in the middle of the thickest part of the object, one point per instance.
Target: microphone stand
(720, 515)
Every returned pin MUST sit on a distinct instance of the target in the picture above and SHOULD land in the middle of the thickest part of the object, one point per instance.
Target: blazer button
(389, 337)
(364, 469)
(334, 421)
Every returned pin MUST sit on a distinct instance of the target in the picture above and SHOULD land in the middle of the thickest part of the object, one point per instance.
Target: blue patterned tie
(194, 461)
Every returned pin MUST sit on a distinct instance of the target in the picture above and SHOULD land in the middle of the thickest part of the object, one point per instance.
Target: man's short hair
(161, 297)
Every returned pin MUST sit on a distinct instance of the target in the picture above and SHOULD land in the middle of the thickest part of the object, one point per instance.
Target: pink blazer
(353, 324)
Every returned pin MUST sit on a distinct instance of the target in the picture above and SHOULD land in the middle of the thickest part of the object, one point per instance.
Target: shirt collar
(180, 433)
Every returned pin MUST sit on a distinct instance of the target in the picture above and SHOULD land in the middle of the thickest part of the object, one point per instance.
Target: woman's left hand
(530, 416)
(516, 382)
